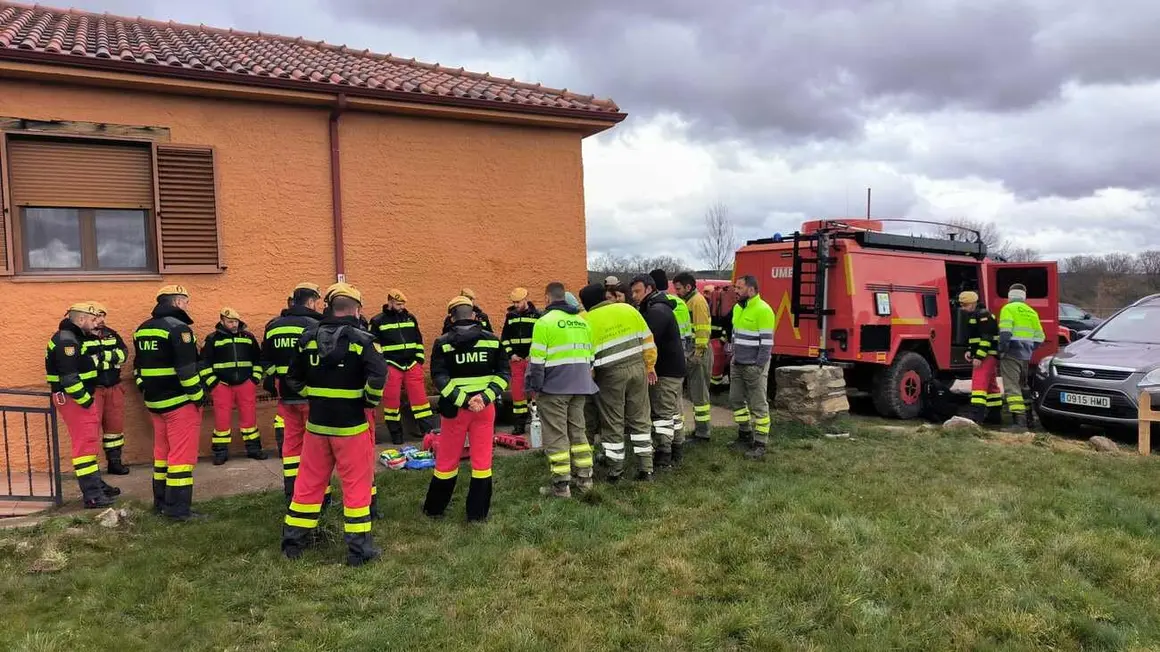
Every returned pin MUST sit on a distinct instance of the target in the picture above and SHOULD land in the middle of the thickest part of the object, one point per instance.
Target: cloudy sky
(1039, 115)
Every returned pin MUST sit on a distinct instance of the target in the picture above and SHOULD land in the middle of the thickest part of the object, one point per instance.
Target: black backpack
(939, 403)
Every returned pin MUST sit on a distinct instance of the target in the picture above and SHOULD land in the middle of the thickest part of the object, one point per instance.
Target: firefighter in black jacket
(516, 339)
(665, 384)
(72, 377)
(983, 352)
(397, 331)
(231, 367)
(111, 353)
(339, 368)
(165, 369)
(470, 372)
(480, 315)
(279, 346)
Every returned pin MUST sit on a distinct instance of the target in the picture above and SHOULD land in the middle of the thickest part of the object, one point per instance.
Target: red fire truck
(885, 306)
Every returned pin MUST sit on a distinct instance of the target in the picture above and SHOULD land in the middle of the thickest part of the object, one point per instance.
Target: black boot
(757, 452)
(179, 501)
(700, 433)
(113, 455)
(220, 454)
(395, 428)
(438, 495)
(644, 476)
(478, 499)
(1018, 422)
(977, 413)
(994, 416)
(92, 491)
(521, 424)
(295, 540)
(426, 425)
(678, 453)
(254, 449)
(159, 489)
(110, 490)
(663, 460)
(360, 549)
(744, 440)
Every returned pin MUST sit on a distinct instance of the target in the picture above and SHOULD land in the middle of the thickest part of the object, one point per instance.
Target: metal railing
(31, 447)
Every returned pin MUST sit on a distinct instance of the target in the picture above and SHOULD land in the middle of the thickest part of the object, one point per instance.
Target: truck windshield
(1134, 326)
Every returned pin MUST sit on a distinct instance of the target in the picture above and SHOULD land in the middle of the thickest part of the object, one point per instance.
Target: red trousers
(720, 362)
(225, 398)
(111, 402)
(985, 384)
(412, 380)
(371, 422)
(175, 435)
(294, 420)
(480, 427)
(84, 429)
(519, 397)
(354, 457)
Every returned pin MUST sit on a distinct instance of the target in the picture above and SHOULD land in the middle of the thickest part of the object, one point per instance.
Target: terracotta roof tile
(73, 37)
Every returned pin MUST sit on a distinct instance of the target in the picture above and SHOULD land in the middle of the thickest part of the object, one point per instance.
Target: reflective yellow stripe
(151, 332)
(356, 528)
(334, 430)
(155, 373)
(355, 512)
(325, 392)
(306, 509)
(294, 521)
(446, 475)
(285, 330)
(481, 473)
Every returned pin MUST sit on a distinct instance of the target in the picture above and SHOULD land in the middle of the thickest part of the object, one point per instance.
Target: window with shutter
(79, 206)
(187, 217)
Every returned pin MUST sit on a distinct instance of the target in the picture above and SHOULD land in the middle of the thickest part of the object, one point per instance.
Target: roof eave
(591, 121)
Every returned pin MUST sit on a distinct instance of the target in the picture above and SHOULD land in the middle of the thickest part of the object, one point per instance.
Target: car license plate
(1085, 400)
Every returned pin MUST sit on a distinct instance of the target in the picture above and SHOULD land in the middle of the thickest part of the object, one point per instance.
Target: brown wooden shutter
(79, 174)
(187, 218)
(5, 230)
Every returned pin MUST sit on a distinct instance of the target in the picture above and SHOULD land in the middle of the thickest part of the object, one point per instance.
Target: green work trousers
(749, 401)
(623, 403)
(565, 444)
(1014, 374)
(664, 399)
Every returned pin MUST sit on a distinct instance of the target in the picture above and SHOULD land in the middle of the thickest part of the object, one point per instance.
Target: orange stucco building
(137, 154)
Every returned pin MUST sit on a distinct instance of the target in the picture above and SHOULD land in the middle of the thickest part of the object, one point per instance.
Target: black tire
(1053, 424)
(898, 389)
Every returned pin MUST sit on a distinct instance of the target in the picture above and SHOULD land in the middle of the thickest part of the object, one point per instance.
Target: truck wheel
(898, 388)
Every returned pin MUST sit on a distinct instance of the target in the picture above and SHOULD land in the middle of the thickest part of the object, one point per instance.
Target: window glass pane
(52, 238)
(120, 239)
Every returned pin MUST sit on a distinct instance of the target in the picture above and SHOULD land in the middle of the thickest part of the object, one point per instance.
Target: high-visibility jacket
(516, 336)
(399, 336)
(698, 309)
(231, 358)
(340, 371)
(280, 345)
(66, 368)
(684, 321)
(1020, 332)
(111, 353)
(753, 326)
(165, 360)
(467, 361)
(620, 336)
(982, 334)
(560, 360)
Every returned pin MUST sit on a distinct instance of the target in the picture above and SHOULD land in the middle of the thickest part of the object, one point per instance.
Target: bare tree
(636, 264)
(719, 243)
(989, 235)
(1021, 254)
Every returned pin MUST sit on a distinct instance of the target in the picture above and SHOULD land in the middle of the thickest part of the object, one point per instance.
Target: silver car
(1098, 378)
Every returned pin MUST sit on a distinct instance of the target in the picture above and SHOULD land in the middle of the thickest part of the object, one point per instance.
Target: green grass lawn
(886, 541)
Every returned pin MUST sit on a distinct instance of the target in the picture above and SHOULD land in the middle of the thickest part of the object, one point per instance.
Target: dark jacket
(465, 361)
(111, 353)
(398, 333)
(231, 358)
(66, 368)
(340, 371)
(982, 334)
(658, 312)
(165, 361)
(517, 330)
(279, 345)
(480, 316)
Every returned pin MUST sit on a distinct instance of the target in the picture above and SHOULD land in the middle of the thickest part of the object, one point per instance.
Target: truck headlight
(1045, 365)
(1150, 379)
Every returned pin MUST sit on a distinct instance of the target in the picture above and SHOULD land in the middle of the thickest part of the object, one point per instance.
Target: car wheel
(898, 389)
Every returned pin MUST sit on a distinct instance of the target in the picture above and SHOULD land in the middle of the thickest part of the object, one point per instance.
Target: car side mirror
(1087, 315)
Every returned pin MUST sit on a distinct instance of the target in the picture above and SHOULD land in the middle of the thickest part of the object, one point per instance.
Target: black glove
(270, 386)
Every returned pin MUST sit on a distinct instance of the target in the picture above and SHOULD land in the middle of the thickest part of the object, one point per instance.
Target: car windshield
(1070, 312)
(1139, 325)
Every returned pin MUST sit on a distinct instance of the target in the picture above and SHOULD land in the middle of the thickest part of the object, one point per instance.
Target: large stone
(811, 394)
(1103, 444)
(960, 423)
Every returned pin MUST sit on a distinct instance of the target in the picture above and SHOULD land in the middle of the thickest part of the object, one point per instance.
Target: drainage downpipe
(336, 189)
